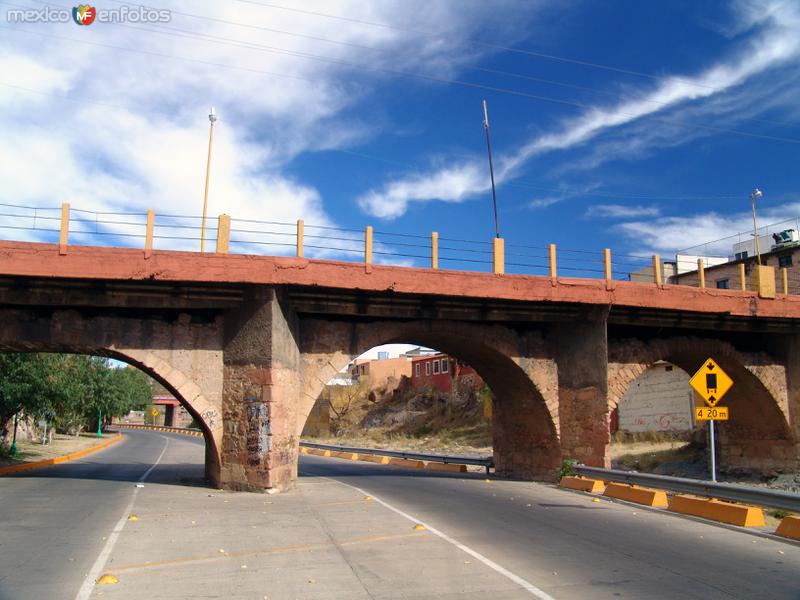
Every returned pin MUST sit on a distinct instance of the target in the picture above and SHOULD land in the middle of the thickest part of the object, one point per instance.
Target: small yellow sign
(154, 413)
(711, 413)
(711, 382)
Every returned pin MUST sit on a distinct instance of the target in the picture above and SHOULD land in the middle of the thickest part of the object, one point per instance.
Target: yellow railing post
(223, 234)
(300, 226)
(368, 245)
(551, 251)
(785, 279)
(64, 235)
(434, 250)
(701, 273)
(498, 256)
(657, 269)
(148, 236)
(742, 278)
(607, 264)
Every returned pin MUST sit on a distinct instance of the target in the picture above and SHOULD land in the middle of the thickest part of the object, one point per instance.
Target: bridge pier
(581, 350)
(261, 387)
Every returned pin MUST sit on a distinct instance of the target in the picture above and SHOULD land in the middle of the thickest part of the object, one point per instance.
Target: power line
(476, 42)
(382, 51)
(421, 76)
(257, 46)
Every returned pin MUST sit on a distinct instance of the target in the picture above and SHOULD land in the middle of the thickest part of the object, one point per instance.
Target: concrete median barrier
(789, 527)
(634, 493)
(716, 510)
(594, 486)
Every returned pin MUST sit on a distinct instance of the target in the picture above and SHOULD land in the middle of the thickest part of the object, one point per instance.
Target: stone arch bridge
(247, 343)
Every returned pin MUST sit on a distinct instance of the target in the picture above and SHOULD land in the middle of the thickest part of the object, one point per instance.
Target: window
(445, 365)
(436, 367)
(741, 255)
(427, 367)
(416, 369)
(785, 261)
(723, 284)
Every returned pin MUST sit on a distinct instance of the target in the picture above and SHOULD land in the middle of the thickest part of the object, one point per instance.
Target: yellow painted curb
(725, 512)
(345, 455)
(58, 459)
(639, 495)
(447, 467)
(789, 527)
(404, 462)
(374, 458)
(594, 486)
(303, 450)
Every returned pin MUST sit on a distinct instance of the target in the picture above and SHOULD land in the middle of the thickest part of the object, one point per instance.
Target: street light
(756, 193)
(212, 117)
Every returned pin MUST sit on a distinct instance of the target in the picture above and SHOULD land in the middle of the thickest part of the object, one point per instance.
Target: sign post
(154, 414)
(711, 383)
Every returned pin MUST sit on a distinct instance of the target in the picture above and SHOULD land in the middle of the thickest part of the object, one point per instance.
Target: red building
(440, 371)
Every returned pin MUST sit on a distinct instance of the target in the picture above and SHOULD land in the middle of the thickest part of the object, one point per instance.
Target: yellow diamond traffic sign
(154, 413)
(711, 382)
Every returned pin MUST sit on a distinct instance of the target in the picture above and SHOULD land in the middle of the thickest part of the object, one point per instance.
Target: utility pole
(212, 117)
(491, 168)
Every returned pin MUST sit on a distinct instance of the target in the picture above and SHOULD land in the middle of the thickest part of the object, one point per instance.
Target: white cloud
(774, 44)
(117, 130)
(620, 211)
(707, 234)
(451, 184)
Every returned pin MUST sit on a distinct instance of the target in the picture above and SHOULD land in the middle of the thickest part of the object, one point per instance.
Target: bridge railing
(66, 225)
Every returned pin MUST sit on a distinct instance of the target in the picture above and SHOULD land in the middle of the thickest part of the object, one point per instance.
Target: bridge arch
(758, 435)
(525, 412)
(192, 375)
(190, 396)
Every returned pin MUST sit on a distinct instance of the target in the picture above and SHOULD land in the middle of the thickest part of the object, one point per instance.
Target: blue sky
(644, 128)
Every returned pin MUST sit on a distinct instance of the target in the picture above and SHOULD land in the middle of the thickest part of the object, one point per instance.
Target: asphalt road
(572, 547)
(54, 521)
(347, 531)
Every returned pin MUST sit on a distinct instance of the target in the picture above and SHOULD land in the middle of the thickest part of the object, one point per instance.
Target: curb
(193, 432)
(58, 459)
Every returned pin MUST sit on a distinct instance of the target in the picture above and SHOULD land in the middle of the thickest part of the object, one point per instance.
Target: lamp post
(756, 193)
(212, 117)
(491, 168)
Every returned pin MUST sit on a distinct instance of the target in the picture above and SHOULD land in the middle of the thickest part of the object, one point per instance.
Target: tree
(20, 384)
(68, 390)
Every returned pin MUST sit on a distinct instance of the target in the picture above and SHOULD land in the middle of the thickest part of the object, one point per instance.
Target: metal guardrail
(721, 491)
(459, 460)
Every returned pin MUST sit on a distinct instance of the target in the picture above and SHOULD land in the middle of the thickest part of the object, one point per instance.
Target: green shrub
(567, 468)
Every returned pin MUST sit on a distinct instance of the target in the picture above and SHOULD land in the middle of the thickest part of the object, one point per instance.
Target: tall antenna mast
(491, 168)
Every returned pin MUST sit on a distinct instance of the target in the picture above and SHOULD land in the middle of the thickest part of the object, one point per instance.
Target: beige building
(727, 275)
(381, 370)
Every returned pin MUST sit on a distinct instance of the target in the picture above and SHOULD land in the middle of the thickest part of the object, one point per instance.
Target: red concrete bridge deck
(36, 260)
(246, 344)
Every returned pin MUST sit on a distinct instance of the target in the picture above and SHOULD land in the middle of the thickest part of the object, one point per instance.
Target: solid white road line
(523, 583)
(102, 559)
